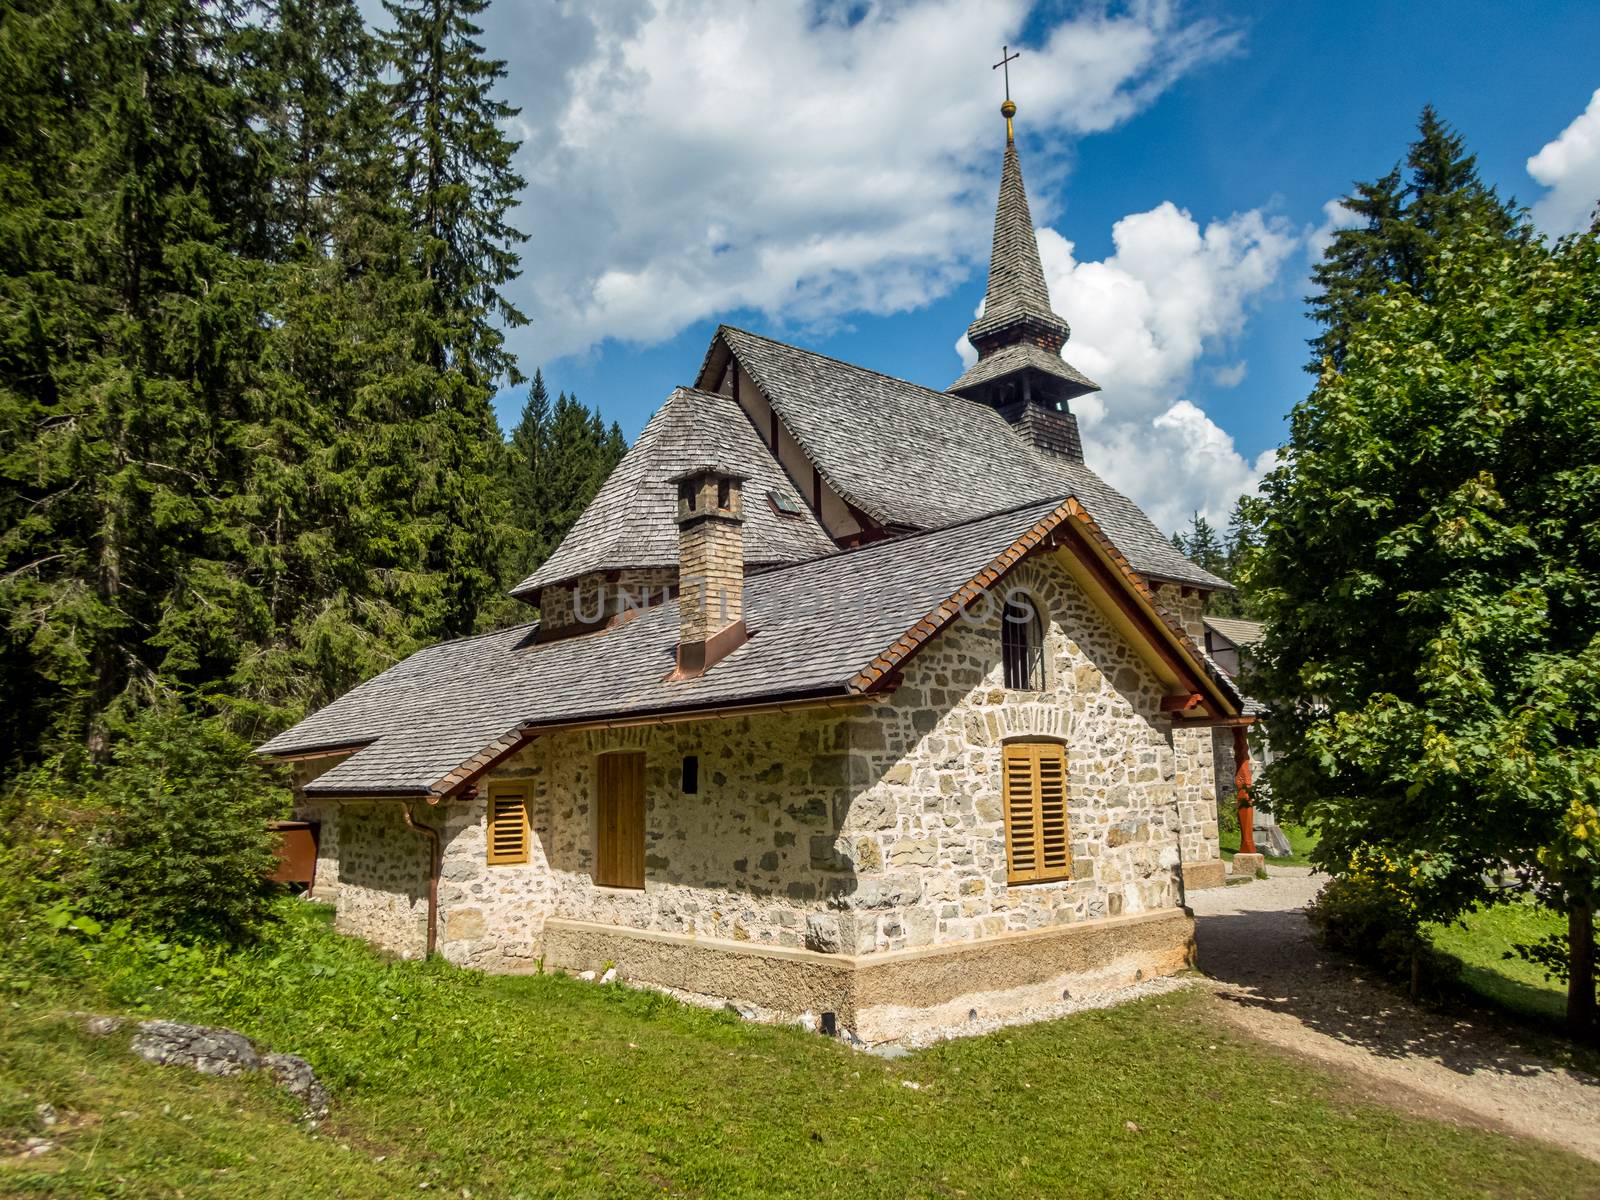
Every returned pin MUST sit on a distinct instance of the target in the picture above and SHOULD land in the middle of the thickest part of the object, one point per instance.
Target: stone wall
(383, 876)
(600, 595)
(1187, 606)
(852, 833)
(925, 835)
(1195, 776)
(743, 859)
(325, 886)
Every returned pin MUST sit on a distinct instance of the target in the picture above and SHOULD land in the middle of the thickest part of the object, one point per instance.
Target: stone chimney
(710, 567)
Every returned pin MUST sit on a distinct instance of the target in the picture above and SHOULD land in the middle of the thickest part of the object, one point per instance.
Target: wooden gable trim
(1071, 528)
(343, 750)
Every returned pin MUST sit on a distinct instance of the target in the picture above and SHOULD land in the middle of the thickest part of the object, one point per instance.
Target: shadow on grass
(1270, 960)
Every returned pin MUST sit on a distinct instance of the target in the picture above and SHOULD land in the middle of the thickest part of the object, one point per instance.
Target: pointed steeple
(1017, 291)
(1019, 337)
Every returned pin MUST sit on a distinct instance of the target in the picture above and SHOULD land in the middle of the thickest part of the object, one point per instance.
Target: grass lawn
(1302, 839)
(1480, 944)
(543, 1086)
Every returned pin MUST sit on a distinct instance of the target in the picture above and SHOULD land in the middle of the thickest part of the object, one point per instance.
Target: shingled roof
(1017, 291)
(632, 521)
(833, 627)
(1008, 360)
(913, 458)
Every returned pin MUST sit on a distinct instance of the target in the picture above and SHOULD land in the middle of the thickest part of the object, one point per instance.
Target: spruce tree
(1404, 222)
(114, 584)
(1202, 545)
(314, 62)
(457, 181)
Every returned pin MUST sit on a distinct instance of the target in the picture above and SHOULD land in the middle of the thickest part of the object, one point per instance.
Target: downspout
(433, 874)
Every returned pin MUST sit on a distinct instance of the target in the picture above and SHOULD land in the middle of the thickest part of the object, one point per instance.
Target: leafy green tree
(1428, 580)
(1402, 223)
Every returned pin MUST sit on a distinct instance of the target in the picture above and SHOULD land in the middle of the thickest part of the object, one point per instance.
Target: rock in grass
(213, 1051)
(202, 1048)
(294, 1075)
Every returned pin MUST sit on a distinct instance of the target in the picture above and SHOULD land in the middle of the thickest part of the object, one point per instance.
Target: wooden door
(619, 822)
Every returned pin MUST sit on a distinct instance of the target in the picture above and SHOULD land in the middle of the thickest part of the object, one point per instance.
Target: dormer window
(785, 504)
(1022, 645)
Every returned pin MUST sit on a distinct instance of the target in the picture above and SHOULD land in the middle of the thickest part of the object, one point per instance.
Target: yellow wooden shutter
(508, 823)
(1034, 795)
(619, 821)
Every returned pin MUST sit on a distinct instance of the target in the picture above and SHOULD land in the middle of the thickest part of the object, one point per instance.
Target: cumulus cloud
(687, 158)
(1143, 320)
(1335, 216)
(1570, 167)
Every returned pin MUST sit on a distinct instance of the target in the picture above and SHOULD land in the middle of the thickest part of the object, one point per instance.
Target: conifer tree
(314, 62)
(113, 583)
(1202, 545)
(1403, 221)
(457, 181)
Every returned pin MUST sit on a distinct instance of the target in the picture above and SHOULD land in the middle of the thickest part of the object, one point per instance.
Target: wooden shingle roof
(632, 521)
(838, 626)
(914, 458)
(1017, 291)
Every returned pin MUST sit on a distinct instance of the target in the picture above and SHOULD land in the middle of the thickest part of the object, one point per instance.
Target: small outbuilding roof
(1236, 629)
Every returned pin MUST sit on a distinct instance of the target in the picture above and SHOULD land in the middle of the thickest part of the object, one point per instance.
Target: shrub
(45, 825)
(1369, 914)
(182, 847)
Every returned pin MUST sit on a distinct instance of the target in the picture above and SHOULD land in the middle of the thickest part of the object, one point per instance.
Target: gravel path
(1271, 979)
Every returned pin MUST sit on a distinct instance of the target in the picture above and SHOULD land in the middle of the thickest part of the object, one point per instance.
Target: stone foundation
(886, 997)
(1197, 876)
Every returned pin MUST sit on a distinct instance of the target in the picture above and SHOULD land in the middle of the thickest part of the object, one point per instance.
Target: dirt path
(1254, 943)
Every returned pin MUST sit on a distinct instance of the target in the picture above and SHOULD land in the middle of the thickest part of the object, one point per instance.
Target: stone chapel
(848, 702)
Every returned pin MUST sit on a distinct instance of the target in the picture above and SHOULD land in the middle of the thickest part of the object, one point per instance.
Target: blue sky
(826, 174)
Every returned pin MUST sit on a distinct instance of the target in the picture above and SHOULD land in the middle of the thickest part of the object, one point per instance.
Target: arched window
(1022, 644)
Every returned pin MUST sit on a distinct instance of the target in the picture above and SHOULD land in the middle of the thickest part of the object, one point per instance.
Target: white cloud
(1570, 167)
(686, 158)
(1335, 216)
(1230, 375)
(1142, 322)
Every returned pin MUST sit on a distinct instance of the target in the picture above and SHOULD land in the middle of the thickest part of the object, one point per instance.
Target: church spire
(1017, 294)
(1019, 337)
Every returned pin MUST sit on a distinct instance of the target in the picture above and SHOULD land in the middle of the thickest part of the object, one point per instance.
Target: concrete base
(885, 997)
(1204, 875)
(1246, 865)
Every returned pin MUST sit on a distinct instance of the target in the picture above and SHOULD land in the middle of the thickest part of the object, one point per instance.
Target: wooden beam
(1212, 722)
(1178, 704)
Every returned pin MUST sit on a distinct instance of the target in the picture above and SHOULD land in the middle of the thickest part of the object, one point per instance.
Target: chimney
(710, 568)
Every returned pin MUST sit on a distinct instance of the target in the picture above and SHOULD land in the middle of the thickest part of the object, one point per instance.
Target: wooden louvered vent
(1035, 796)
(508, 824)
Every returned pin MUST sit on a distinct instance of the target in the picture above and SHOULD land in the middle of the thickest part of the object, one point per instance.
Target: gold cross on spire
(1008, 109)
